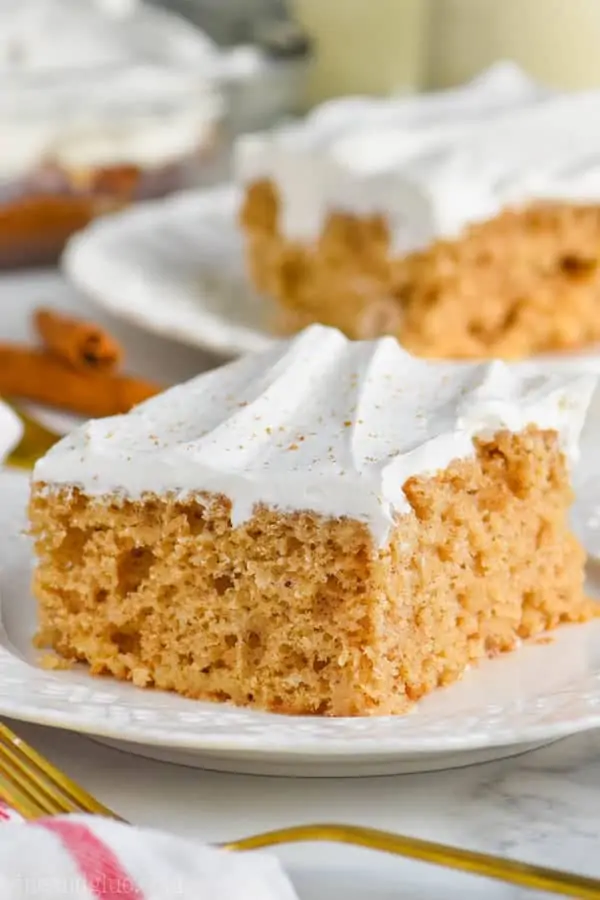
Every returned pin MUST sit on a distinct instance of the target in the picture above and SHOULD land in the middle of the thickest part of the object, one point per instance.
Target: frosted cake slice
(329, 527)
(465, 223)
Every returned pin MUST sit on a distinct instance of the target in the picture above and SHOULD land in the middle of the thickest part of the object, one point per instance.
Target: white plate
(176, 267)
(538, 694)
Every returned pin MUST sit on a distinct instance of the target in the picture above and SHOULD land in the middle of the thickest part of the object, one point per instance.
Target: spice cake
(328, 527)
(465, 223)
(102, 104)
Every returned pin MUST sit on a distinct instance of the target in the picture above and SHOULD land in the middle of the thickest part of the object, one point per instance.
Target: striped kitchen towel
(90, 858)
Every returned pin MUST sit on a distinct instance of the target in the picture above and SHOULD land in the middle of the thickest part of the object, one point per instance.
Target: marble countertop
(542, 807)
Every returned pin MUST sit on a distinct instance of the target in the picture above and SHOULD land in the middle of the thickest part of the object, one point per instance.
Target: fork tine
(18, 799)
(22, 777)
(61, 794)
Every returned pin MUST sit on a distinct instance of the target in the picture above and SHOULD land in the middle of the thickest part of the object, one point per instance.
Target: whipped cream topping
(432, 164)
(317, 423)
(92, 82)
(11, 430)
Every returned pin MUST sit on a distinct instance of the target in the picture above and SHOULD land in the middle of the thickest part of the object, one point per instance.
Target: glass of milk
(364, 46)
(555, 41)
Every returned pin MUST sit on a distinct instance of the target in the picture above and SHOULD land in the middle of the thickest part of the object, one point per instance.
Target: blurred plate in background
(176, 268)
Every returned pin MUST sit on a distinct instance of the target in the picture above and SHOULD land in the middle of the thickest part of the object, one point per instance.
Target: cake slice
(465, 223)
(329, 527)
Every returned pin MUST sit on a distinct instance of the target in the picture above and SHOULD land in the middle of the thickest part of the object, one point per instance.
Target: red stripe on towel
(104, 875)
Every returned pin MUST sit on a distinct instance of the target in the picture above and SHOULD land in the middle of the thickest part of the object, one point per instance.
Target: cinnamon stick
(42, 377)
(84, 345)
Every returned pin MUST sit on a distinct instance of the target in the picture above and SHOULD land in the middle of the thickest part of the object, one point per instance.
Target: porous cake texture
(525, 282)
(329, 528)
(466, 224)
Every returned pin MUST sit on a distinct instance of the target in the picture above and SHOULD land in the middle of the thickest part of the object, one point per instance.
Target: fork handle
(525, 875)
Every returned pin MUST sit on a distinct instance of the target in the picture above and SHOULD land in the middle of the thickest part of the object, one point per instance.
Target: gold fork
(36, 788)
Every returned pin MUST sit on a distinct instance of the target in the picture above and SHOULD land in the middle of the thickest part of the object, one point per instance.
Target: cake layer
(298, 613)
(319, 424)
(526, 282)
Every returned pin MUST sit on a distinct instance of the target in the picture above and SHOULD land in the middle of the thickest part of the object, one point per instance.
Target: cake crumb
(51, 662)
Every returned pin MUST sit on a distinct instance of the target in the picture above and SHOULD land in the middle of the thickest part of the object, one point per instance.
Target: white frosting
(318, 423)
(91, 82)
(432, 164)
(11, 430)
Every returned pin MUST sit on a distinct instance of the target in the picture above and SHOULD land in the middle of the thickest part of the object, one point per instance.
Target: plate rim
(82, 268)
(249, 746)
(340, 749)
